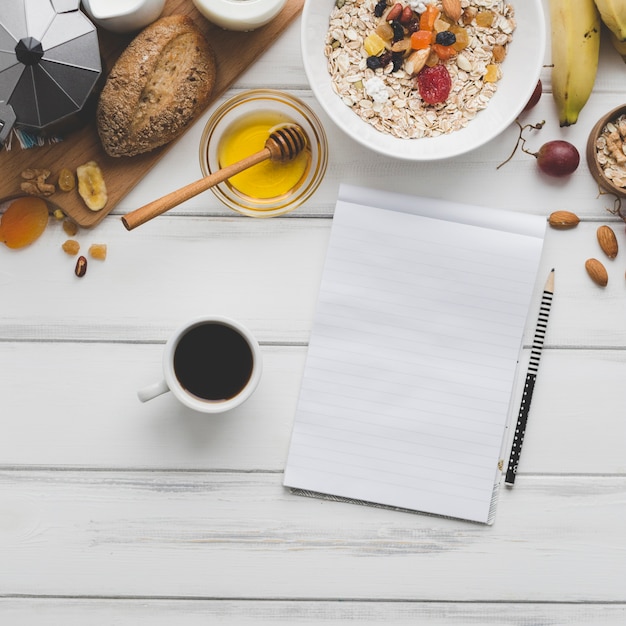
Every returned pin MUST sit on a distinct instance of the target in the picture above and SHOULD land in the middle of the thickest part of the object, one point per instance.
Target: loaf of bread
(159, 84)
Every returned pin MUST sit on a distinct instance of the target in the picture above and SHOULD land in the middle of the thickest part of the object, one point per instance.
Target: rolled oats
(405, 114)
(611, 151)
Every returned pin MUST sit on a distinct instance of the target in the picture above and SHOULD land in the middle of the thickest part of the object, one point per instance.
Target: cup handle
(152, 391)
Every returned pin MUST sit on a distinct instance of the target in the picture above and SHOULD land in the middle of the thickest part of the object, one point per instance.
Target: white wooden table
(116, 512)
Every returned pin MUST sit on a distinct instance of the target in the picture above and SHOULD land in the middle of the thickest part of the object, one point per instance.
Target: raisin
(398, 30)
(434, 84)
(397, 58)
(385, 58)
(380, 7)
(66, 181)
(413, 26)
(484, 18)
(373, 62)
(70, 227)
(445, 38)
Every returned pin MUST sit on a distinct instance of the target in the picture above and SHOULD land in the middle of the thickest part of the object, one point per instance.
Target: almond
(563, 219)
(416, 61)
(607, 241)
(452, 8)
(597, 272)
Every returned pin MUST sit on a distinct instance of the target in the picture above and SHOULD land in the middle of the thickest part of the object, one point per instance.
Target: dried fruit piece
(492, 73)
(421, 39)
(597, 272)
(98, 251)
(462, 37)
(434, 83)
(499, 53)
(563, 219)
(91, 185)
(81, 267)
(428, 17)
(607, 241)
(484, 18)
(66, 181)
(374, 44)
(23, 222)
(70, 227)
(71, 247)
(444, 52)
(384, 31)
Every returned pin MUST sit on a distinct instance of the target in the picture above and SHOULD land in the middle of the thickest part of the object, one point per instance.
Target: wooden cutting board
(235, 52)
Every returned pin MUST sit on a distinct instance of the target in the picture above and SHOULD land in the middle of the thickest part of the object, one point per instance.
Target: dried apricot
(23, 222)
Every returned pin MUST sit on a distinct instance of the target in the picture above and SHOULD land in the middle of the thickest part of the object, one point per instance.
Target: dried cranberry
(434, 84)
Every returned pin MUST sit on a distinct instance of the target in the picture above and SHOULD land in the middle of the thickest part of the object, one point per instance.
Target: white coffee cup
(211, 364)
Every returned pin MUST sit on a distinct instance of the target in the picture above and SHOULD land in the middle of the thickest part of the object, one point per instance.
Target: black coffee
(213, 361)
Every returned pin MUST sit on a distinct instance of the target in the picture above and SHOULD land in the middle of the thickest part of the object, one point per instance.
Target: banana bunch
(575, 30)
(613, 14)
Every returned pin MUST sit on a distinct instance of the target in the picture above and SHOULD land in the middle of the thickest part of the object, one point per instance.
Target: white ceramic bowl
(521, 70)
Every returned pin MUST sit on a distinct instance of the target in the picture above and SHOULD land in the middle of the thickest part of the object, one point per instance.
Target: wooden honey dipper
(284, 144)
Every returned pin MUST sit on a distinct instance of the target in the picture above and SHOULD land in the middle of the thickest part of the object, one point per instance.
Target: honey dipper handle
(157, 207)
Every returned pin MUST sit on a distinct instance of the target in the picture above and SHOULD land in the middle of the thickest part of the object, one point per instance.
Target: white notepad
(413, 353)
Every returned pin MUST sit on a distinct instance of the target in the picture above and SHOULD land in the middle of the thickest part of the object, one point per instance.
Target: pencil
(531, 377)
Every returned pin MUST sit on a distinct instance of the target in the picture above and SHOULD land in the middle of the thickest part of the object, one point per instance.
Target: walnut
(35, 182)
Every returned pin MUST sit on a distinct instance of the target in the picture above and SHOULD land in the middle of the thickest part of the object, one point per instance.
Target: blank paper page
(413, 353)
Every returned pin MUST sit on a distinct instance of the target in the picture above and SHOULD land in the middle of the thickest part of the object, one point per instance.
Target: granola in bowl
(418, 68)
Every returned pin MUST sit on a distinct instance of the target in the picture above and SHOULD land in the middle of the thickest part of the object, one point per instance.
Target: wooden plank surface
(235, 52)
(242, 535)
(280, 612)
(114, 512)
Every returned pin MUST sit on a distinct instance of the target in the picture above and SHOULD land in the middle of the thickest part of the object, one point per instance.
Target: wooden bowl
(596, 168)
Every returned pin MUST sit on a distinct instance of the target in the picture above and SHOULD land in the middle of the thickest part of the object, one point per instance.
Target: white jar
(123, 16)
(240, 14)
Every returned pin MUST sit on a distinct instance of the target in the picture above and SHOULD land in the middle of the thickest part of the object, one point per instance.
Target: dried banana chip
(91, 185)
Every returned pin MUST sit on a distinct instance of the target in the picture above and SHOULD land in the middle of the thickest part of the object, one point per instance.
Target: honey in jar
(269, 179)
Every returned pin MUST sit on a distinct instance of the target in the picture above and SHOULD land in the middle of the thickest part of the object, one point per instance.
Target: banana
(620, 46)
(575, 31)
(613, 14)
